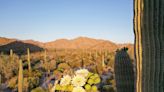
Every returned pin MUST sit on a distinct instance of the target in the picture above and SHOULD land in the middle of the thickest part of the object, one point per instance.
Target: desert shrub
(75, 62)
(8, 67)
(38, 89)
(60, 69)
(109, 81)
(87, 61)
(48, 65)
(57, 74)
(64, 66)
(37, 73)
(92, 69)
(99, 68)
(113, 82)
(107, 88)
(33, 82)
(12, 83)
(25, 73)
(28, 82)
(111, 57)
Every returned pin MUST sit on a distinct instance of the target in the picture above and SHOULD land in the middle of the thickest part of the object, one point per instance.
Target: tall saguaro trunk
(149, 45)
(20, 77)
(0, 79)
(11, 55)
(103, 61)
(29, 61)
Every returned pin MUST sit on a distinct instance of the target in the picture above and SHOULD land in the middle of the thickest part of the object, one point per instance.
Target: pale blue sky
(47, 20)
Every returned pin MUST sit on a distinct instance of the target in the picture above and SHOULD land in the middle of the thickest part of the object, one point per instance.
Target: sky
(47, 20)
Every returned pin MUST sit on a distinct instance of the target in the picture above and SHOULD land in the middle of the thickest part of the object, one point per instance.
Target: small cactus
(29, 61)
(106, 53)
(46, 62)
(0, 79)
(103, 61)
(11, 55)
(96, 54)
(45, 56)
(124, 73)
(82, 63)
(20, 77)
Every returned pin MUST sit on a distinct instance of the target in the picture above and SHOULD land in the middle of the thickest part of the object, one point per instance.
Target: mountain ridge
(76, 43)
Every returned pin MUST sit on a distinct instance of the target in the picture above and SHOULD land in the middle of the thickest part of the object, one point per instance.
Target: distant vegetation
(31, 68)
(40, 69)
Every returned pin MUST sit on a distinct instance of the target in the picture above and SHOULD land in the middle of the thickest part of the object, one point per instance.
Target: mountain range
(77, 43)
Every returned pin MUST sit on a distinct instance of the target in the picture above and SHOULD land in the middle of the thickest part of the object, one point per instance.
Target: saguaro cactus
(124, 73)
(0, 79)
(45, 56)
(20, 77)
(29, 61)
(11, 55)
(96, 54)
(82, 63)
(46, 63)
(149, 45)
(103, 61)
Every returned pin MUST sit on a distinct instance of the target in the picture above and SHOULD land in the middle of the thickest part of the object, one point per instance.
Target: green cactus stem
(149, 45)
(20, 77)
(0, 79)
(103, 61)
(29, 61)
(11, 56)
(124, 72)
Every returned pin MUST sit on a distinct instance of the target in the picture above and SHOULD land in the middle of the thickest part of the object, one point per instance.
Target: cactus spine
(29, 61)
(124, 73)
(149, 45)
(20, 77)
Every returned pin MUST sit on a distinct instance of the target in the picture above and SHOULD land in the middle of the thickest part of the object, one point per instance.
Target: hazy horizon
(49, 20)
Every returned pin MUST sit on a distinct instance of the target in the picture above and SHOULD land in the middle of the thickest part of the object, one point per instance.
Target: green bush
(33, 82)
(107, 88)
(38, 89)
